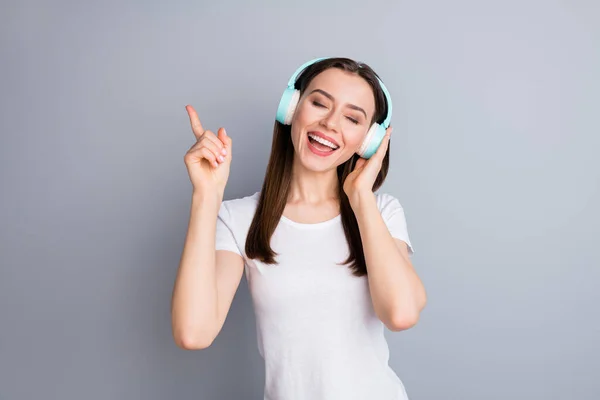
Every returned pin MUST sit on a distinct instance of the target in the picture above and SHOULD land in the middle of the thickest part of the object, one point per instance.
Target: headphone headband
(292, 81)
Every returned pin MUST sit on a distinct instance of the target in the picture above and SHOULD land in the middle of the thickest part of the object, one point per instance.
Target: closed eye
(317, 104)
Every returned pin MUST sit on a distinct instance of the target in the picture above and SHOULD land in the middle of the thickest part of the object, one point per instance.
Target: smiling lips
(321, 144)
(328, 141)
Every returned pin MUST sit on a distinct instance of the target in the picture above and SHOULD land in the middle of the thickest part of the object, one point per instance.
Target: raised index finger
(195, 121)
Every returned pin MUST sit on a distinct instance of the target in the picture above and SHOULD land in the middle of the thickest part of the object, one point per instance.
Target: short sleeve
(225, 238)
(392, 213)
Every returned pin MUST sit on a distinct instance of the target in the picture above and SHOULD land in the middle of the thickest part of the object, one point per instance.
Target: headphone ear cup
(371, 141)
(287, 105)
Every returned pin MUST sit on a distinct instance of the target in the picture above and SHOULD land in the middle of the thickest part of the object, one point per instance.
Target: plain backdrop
(493, 156)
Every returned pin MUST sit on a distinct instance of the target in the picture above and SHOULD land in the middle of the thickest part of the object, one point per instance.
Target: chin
(316, 163)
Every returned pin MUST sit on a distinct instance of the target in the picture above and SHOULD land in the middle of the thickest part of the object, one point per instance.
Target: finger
(208, 155)
(375, 162)
(214, 148)
(220, 147)
(380, 153)
(227, 142)
(194, 121)
(197, 154)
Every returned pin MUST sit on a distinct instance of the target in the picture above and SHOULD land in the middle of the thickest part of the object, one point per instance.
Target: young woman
(327, 260)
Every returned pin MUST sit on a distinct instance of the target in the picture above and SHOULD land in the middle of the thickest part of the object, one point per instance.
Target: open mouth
(320, 145)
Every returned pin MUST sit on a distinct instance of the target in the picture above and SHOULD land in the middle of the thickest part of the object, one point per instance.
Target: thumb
(227, 142)
(359, 164)
(223, 137)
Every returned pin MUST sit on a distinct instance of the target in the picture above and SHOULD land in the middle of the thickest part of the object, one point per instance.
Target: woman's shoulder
(244, 200)
(241, 205)
(387, 200)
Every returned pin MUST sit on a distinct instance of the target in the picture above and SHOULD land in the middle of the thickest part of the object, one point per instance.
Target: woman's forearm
(397, 292)
(194, 302)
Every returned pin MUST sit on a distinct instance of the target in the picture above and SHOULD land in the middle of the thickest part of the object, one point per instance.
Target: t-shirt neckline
(321, 224)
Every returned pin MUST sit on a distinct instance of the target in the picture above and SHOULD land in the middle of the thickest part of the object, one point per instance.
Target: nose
(330, 121)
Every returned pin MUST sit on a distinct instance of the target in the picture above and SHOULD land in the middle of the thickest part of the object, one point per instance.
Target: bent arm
(206, 279)
(397, 292)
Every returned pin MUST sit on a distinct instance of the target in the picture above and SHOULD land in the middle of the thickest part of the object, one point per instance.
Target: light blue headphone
(289, 101)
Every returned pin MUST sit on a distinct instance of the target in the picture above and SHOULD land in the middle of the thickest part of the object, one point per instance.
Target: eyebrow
(330, 97)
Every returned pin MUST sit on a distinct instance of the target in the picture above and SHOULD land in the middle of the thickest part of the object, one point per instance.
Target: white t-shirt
(317, 330)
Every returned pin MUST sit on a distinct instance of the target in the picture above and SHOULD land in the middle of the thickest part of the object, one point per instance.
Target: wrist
(359, 200)
(207, 199)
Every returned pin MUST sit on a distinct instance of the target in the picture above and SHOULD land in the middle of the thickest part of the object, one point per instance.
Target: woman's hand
(208, 161)
(360, 181)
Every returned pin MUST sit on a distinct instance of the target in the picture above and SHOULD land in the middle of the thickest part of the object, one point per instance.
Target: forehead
(345, 87)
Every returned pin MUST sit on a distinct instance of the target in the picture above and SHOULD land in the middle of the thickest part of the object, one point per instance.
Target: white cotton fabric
(317, 331)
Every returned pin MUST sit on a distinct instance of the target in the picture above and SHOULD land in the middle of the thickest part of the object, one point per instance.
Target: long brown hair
(275, 188)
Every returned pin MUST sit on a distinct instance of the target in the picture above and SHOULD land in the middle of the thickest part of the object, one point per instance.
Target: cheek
(295, 133)
(354, 137)
(302, 118)
(303, 115)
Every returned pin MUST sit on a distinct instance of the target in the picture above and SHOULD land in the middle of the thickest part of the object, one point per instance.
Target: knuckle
(212, 146)
(209, 133)
(214, 143)
(208, 154)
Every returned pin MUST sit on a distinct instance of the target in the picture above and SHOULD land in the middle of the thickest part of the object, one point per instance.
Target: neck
(312, 187)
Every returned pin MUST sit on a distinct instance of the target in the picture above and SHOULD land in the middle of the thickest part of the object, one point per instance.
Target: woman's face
(337, 106)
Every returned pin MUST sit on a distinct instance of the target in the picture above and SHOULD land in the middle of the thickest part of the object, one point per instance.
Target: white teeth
(323, 141)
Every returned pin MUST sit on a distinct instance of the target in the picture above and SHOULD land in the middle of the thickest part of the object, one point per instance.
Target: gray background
(493, 158)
